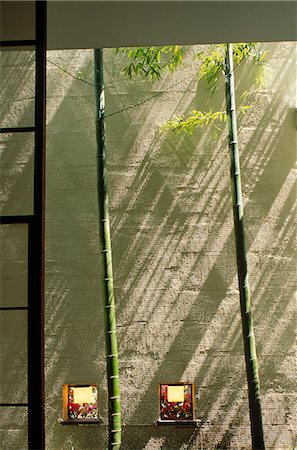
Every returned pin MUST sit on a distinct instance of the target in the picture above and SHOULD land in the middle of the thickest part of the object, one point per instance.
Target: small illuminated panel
(80, 402)
(82, 395)
(176, 401)
(176, 394)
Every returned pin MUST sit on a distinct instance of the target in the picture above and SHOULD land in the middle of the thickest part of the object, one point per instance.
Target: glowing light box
(80, 403)
(82, 395)
(176, 393)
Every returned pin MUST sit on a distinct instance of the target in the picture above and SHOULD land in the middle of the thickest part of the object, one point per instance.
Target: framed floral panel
(176, 401)
(80, 403)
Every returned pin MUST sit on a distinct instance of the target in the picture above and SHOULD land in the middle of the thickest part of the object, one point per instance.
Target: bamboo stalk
(114, 406)
(245, 302)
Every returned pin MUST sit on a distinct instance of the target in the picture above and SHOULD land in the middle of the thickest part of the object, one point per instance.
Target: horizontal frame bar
(14, 308)
(19, 43)
(7, 220)
(18, 130)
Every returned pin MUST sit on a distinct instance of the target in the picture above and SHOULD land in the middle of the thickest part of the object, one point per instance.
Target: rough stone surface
(173, 250)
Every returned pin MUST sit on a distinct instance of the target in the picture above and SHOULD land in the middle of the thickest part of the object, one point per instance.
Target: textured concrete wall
(173, 248)
(17, 103)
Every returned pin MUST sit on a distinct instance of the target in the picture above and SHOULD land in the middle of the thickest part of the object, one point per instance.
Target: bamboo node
(115, 397)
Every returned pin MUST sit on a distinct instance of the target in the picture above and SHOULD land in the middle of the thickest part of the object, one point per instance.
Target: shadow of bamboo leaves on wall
(17, 88)
(157, 188)
(181, 349)
(66, 332)
(17, 97)
(169, 287)
(74, 339)
(153, 205)
(279, 184)
(16, 195)
(17, 150)
(17, 100)
(281, 321)
(281, 177)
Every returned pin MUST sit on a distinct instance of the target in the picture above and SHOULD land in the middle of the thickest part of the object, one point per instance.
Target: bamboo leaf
(153, 60)
(245, 108)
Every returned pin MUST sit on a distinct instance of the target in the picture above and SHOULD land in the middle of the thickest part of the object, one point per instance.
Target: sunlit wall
(176, 290)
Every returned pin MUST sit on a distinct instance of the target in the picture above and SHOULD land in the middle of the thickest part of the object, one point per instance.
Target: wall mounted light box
(80, 403)
(176, 403)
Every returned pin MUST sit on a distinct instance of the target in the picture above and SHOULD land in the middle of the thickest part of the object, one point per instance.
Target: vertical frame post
(36, 433)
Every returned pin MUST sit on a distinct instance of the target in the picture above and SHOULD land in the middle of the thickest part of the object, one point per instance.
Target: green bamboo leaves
(212, 61)
(151, 62)
(113, 385)
(212, 70)
(196, 119)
